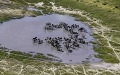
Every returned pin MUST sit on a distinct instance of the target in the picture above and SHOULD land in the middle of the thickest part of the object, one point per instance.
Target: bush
(104, 3)
(116, 6)
(97, 1)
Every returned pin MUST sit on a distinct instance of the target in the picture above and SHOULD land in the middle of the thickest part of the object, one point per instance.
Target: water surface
(17, 35)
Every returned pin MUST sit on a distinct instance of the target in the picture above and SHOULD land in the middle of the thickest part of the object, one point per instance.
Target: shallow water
(34, 9)
(17, 35)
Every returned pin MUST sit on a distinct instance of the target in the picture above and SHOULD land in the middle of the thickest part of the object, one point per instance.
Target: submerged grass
(23, 56)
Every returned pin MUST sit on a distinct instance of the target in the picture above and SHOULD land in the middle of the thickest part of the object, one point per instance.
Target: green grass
(114, 44)
(68, 74)
(21, 53)
(17, 57)
(33, 1)
(26, 57)
(7, 17)
(106, 54)
(40, 56)
(20, 1)
(16, 52)
(23, 56)
(106, 73)
(3, 54)
(79, 18)
(36, 13)
(97, 12)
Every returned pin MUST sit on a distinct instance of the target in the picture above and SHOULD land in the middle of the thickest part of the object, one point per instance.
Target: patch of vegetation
(79, 18)
(93, 42)
(91, 72)
(116, 6)
(26, 57)
(114, 44)
(106, 54)
(107, 73)
(116, 34)
(57, 64)
(20, 1)
(6, 17)
(97, 1)
(21, 53)
(36, 13)
(96, 36)
(3, 54)
(40, 56)
(17, 57)
(103, 41)
(93, 25)
(23, 56)
(50, 55)
(46, 2)
(96, 12)
(46, 11)
(68, 73)
(16, 52)
(104, 3)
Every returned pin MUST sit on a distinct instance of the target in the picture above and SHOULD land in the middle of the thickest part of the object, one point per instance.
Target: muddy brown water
(17, 35)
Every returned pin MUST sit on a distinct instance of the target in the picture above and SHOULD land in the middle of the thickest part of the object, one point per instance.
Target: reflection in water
(17, 35)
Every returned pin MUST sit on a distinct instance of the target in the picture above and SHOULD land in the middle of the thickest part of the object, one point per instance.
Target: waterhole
(18, 34)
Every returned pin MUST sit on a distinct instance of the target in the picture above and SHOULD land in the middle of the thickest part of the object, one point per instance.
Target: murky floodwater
(17, 35)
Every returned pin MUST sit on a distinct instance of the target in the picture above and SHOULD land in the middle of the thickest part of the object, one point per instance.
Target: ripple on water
(17, 35)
